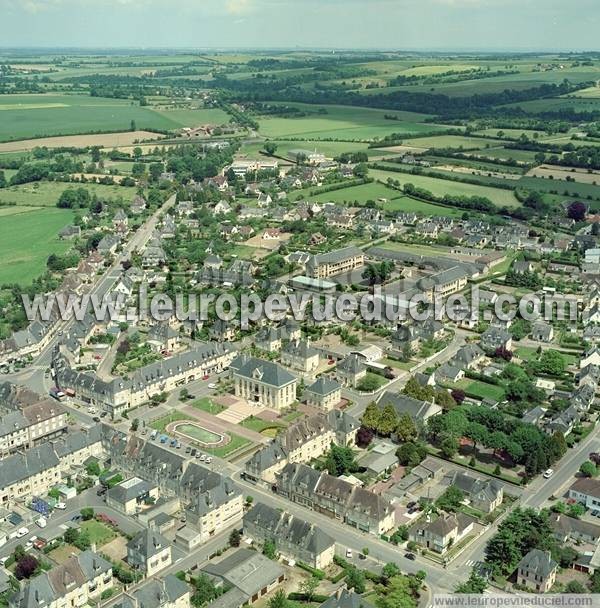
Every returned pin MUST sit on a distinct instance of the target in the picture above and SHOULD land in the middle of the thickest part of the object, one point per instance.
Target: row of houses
(336, 498)
(26, 419)
(119, 394)
(34, 471)
(301, 442)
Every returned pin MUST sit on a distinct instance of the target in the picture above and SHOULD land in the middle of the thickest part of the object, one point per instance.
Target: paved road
(33, 376)
(347, 537)
(360, 402)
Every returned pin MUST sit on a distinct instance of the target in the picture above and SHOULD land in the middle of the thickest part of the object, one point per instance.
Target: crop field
(407, 204)
(46, 194)
(39, 115)
(26, 241)
(105, 140)
(440, 187)
(344, 123)
(452, 141)
(560, 187)
(357, 194)
(587, 104)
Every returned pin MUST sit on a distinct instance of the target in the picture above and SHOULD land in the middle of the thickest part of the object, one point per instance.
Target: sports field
(40, 115)
(26, 241)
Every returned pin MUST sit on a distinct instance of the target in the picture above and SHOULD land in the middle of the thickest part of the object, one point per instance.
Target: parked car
(410, 556)
(173, 442)
(548, 473)
(349, 553)
(212, 385)
(39, 544)
(21, 532)
(208, 459)
(61, 506)
(594, 457)
(76, 518)
(101, 492)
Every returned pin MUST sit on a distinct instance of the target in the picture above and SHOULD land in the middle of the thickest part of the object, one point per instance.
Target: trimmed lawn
(99, 533)
(63, 553)
(261, 426)
(482, 390)
(292, 416)
(236, 443)
(206, 405)
(161, 423)
(375, 378)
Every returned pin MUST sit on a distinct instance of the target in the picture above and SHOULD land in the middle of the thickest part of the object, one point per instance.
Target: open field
(562, 173)
(441, 187)
(26, 241)
(344, 123)
(452, 141)
(406, 204)
(39, 115)
(46, 194)
(16, 210)
(358, 194)
(105, 140)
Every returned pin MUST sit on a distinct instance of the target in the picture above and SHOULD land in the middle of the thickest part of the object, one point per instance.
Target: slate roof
(247, 570)
(323, 386)
(538, 562)
(284, 525)
(265, 371)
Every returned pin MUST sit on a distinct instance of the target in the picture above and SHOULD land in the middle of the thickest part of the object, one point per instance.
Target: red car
(205, 377)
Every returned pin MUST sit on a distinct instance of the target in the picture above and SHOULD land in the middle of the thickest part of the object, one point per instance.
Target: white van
(42, 522)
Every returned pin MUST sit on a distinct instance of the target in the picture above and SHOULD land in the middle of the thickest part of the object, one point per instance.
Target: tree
(450, 500)
(551, 362)
(87, 513)
(270, 147)
(400, 535)
(270, 549)
(70, 536)
(279, 600)
(410, 454)
(93, 468)
(361, 170)
(474, 584)
(364, 436)
(340, 460)
(235, 538)
(406, 429)
(370, 418)
(449, 446)
(588, 469)
(204, 591)
(575, 587)
(308, 587)
(155, 170)
(26, 567)
(135, 424)
(577, 211)
(458, 395)
(388, 422)
(390, 570)
(355, 579)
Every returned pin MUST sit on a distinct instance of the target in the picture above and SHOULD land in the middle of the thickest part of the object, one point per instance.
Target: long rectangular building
(120, 394)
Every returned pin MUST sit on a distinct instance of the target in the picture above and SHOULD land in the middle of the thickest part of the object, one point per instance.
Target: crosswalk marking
(469, 563)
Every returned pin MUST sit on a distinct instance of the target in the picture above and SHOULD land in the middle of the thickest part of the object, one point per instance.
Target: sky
(390, 24)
